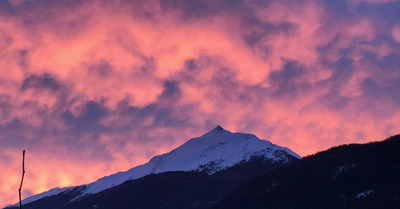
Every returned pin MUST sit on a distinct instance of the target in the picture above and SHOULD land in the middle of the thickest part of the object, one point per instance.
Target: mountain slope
(212, 152)
(169, 190)
(348, 176)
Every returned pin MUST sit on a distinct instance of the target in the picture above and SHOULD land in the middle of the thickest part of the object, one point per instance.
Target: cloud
(289, 80)
(44, 81)
(106, 85)
(372, 1)
(396, 32)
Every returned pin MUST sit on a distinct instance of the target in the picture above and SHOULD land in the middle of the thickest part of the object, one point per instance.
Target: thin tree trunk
(22, 179)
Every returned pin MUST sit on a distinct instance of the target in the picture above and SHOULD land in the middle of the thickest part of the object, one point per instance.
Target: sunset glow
(90, 88)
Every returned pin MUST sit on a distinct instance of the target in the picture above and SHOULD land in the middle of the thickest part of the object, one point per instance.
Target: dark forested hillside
(348, 176)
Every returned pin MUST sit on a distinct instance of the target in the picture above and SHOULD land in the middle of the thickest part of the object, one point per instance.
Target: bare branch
(22, 179)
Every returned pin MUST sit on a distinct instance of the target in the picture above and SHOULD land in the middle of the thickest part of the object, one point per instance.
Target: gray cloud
(171, 91)
(43, 81)
(289, 81)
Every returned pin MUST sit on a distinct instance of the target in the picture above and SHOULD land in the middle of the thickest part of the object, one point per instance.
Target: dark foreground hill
(348, 176)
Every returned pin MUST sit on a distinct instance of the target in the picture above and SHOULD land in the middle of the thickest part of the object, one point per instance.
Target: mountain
(168, 190)
(348, 176)
(213, 152)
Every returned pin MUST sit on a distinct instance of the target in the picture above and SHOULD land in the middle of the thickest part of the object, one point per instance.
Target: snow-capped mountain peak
(212, 152)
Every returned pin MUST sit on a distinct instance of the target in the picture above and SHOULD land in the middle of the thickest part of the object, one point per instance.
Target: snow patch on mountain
(364, 193)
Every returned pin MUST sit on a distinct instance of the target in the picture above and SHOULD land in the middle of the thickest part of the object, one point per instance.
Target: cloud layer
(89, 88)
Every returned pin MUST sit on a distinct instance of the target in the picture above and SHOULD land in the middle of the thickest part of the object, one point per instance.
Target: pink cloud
(396, 32)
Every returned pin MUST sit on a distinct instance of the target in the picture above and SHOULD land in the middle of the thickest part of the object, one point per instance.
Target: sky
(89, 88)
